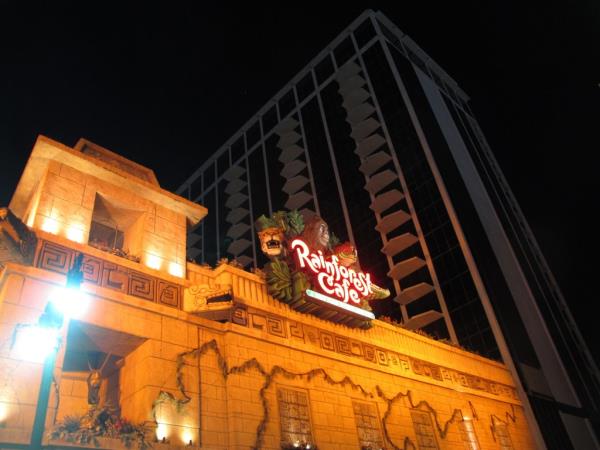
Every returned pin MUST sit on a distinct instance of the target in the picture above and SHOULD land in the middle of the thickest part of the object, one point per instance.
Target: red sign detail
(333, 279)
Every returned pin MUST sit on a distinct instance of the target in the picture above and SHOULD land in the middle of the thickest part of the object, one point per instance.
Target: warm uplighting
(72, 303)
(75, 234)
(176, 270)
(154, 262)
(161, 432)
(33, 343)
(50, 225)
(187, 437)
(3, 412)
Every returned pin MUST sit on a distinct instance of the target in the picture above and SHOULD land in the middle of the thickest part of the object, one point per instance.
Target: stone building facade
(204, 357)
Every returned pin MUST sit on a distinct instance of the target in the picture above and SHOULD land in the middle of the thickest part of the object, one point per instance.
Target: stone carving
(57, 258)
(17, 242)
(94, 381)
(382, 357)
(197, 297)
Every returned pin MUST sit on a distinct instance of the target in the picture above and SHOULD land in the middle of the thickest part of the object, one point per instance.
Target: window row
(297, 429)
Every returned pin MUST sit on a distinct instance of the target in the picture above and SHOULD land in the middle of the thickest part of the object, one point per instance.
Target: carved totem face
(271, 241)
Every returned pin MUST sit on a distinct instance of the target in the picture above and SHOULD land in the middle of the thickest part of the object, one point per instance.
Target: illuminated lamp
(154, 262)
(334, 302)
(34, 343)
(50, 225)
(74, 233)
(176, 269)
(70, 302)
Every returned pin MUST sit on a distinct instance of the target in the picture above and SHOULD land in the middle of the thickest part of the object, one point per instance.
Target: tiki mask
(271, 241)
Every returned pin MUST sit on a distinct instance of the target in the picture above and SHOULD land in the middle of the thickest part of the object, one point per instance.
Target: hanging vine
(278, 371)
(456, 414)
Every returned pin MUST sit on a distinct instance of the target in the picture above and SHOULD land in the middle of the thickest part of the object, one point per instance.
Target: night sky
(166, 87)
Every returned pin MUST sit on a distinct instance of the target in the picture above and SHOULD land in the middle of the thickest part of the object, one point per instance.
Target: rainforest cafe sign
(332, 278)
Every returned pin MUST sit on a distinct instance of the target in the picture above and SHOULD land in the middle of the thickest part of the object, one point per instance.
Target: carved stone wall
(57, 258)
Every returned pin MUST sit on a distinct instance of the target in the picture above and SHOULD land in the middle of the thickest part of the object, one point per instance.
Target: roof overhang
(46, 150)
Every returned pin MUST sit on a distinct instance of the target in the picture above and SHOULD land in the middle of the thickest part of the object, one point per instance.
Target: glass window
(305, 87)
(467, 432)
(294, 417)
(365, 32)
(210, 229)
(223, 163)
(209, 177)
(344, 51)
(424, 430)
(252, 135)
(196, 188)
(269, 119)
(287, 103)
(324, 69)
(237, 150)
(502, 436)
(367, 425)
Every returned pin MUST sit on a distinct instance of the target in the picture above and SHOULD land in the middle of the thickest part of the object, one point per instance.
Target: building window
(294, 418)
(115, 228)
(502, 436)
(367, 424)
(467, 432)
(424, 430)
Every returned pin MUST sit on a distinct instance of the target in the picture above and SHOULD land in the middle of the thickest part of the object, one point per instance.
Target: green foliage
(264, 222)
(333, 239)
(300, 284)
(279, 282)
(100, 423)
(281, 220)
(296, 223)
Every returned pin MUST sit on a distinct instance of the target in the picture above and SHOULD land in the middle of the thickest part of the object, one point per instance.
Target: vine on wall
(278, 371)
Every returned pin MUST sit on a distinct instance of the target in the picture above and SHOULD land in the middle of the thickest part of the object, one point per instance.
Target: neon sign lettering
(334, 279)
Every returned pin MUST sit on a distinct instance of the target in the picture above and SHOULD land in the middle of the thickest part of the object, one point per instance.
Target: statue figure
(94, 382)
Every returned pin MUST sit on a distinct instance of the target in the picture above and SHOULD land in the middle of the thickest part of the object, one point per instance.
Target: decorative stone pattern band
(57, 258)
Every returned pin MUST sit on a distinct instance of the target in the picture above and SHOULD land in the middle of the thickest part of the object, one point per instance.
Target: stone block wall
(231, 372)
(64, 204)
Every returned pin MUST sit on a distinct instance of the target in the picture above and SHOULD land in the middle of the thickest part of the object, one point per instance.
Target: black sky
(166, 85)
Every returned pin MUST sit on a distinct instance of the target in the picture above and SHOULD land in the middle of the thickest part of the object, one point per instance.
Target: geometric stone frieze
(327, 341)
(57, 258)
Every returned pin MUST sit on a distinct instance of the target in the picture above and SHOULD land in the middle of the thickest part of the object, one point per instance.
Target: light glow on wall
(187, 436)
(75, 233)
(153, 261)
(3, 412)
(161, 432)
(50, 225)
(176, 269)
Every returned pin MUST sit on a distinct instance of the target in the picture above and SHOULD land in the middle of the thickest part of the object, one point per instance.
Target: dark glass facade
(375, 138)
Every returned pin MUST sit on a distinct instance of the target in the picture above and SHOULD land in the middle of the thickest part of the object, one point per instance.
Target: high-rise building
(373, 136)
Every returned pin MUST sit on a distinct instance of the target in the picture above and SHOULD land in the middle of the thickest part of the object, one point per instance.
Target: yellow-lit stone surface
(234, 365)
